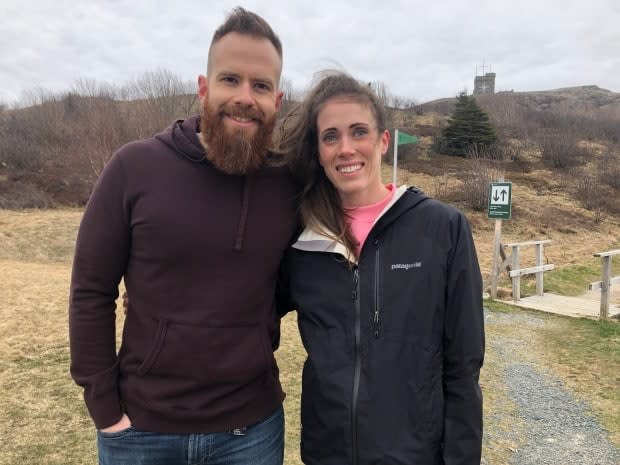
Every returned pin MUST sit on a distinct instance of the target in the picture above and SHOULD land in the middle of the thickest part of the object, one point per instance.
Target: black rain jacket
(395, 342)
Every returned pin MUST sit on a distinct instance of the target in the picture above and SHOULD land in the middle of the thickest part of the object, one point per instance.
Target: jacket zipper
(358, 363)
(377, 316)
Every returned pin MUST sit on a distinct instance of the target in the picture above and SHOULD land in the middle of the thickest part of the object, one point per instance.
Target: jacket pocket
(208, 354)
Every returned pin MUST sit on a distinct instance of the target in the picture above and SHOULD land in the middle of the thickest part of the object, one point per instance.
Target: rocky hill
(578, 98)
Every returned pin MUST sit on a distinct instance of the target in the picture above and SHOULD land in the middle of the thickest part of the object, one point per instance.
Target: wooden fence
(606, 281)
(515, 272)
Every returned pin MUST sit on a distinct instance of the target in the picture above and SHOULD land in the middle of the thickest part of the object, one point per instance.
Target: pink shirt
(361, 219)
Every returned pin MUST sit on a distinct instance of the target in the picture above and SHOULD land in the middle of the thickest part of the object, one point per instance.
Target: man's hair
(321, 206)
(247, 23)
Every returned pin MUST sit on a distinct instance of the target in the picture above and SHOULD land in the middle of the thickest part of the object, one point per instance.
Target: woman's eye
(360, 132)
(328, 138)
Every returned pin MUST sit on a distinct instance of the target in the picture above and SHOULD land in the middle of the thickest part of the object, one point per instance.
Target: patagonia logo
(406, 266)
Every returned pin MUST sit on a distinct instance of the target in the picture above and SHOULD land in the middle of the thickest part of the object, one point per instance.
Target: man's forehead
(244, 52)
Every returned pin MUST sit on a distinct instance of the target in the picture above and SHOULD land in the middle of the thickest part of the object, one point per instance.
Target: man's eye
(229, 79)
(262, 86)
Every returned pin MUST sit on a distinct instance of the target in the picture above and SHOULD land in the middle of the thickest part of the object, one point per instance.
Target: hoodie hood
(182, 137)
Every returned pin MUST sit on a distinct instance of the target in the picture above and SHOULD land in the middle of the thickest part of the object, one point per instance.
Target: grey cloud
(419, 49)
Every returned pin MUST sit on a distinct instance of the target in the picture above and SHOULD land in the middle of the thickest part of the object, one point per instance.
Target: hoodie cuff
(103, 399)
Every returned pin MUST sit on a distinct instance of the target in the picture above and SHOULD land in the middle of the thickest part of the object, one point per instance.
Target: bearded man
(195, 220)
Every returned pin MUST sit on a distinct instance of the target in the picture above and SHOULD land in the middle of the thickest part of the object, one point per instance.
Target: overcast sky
(422, 50)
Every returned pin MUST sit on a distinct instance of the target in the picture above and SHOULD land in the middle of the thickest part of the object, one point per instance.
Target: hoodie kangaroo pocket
(210, 354)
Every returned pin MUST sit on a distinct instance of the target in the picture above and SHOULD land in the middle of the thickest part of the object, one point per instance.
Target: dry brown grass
(43, 418)
(47, 236)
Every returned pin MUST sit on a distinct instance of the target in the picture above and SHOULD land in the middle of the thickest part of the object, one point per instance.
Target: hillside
(560, 148)
(576, 98)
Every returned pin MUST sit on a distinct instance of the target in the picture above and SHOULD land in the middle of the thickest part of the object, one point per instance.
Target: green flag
(404, 138)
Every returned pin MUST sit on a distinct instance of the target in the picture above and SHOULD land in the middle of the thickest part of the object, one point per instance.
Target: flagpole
(395, 155)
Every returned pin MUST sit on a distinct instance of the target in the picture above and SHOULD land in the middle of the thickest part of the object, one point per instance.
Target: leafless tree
(289, 97)
(161, 97)
(609, 167)
(590, 195)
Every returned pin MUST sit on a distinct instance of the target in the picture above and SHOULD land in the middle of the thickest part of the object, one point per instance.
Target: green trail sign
(500, 199)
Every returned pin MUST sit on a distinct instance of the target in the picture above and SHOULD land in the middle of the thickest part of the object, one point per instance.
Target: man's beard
(238, 151)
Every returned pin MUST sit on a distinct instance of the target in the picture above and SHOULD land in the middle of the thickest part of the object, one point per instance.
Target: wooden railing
(606, 281)
(515, 272)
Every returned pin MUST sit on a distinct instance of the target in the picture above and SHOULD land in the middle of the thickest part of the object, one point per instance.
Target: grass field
(42, 416)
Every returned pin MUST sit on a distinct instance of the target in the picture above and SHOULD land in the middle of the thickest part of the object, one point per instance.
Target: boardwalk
(586, 305)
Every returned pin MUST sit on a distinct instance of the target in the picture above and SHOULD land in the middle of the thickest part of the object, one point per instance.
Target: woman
(388, 292)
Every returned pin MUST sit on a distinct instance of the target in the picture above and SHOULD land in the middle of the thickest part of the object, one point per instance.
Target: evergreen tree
(468, 126)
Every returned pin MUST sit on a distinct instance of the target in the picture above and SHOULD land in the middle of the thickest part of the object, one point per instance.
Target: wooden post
(539, 275)
(496, 251)
(605, 285)
(516, 280)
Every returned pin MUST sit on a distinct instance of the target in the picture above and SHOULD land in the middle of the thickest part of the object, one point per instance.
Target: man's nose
(244, 95)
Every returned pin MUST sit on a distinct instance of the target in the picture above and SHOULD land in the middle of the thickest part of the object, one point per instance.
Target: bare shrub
(24, 195)
(561, 149)
(609, 167)
(482, 171)
(587, 191)
(24, 140)
(591, 195)
(441, 183)
(484, 152)
(506, 114)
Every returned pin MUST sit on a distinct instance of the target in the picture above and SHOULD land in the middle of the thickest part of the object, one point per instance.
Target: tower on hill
(484, 84)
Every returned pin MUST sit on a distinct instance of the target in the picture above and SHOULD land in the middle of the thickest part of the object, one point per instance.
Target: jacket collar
(312, 240)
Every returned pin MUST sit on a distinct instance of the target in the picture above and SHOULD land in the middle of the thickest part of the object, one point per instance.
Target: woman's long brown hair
(321, 207)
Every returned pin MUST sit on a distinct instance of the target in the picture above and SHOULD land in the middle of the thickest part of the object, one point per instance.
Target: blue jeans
(259, 444)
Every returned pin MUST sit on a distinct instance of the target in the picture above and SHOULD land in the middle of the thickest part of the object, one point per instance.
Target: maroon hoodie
(199, 252)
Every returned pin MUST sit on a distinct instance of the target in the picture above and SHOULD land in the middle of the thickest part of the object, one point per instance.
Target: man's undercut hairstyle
(246, 23)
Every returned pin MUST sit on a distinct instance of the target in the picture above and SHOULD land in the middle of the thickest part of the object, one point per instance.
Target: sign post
(499, 208)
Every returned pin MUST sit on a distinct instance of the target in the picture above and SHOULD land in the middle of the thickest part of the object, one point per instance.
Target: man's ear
(279, 97)
(202, 87)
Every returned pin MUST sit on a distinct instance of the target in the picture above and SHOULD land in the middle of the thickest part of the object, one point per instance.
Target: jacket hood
(404, 199)
(182, 137)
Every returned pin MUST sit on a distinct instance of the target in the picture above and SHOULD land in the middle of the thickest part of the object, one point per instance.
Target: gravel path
(553, 426)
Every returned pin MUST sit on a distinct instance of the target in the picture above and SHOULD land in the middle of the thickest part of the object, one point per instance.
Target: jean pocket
(117, 434)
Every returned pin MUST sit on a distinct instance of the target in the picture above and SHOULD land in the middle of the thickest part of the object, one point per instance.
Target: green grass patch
(571, 280)
(498, 306)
